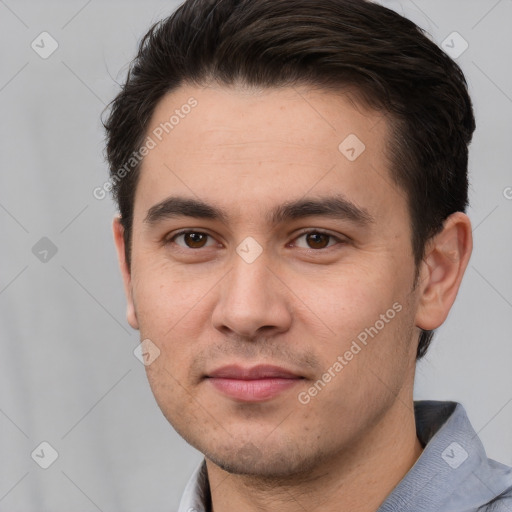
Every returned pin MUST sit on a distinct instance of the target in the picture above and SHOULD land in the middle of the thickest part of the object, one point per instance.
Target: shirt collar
(453, 472)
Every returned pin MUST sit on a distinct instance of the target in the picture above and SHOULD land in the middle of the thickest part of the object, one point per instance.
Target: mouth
(254, 384)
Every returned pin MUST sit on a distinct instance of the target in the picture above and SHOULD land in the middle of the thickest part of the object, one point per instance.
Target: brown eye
(195, 240)
(317, 240)
(192, 240)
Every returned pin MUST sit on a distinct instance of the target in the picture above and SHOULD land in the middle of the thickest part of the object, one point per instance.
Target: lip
(261, 371)
(254, 384)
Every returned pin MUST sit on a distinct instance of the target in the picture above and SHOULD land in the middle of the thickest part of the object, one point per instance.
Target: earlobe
(118, 232)
(446, 258)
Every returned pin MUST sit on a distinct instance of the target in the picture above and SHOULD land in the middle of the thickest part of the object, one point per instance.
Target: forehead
(244, 148)
(252, 118)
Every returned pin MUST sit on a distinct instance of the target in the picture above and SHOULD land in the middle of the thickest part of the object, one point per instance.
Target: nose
(252, 301)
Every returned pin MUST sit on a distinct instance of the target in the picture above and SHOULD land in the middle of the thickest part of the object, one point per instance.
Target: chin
(263, 461)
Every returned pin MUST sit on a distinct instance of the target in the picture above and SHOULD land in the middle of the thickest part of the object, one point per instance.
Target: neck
(357, 478)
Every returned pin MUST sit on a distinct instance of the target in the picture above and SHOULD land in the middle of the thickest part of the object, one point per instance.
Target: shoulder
(500, 482)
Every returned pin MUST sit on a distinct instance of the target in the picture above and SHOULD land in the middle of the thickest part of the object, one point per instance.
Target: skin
(299, 305)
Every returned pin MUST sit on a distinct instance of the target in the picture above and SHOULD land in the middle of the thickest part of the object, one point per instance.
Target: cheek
(164, 292)
(176, 398)
(366, 363)
(347, 299)
(368, 320)
(170, 312)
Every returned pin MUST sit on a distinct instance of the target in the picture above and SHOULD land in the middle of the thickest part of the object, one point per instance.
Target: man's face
(290, 287)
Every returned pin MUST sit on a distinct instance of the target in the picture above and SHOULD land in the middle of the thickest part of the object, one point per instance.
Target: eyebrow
(336, 207)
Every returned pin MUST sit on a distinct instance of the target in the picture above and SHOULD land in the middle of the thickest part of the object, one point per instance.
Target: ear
(118, 230)
(446, 258)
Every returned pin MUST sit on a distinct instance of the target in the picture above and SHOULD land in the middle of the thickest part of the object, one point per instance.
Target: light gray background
(68, 375)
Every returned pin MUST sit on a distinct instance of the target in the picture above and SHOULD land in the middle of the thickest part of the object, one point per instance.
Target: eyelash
(338, 240)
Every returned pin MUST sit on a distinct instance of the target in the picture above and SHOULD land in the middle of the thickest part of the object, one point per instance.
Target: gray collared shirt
(453, 474)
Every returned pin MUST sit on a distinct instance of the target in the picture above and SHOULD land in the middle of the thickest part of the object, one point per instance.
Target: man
(292, 179)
